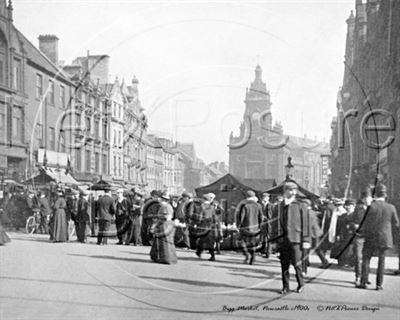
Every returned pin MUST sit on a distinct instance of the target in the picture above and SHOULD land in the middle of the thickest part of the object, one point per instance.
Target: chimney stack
(48, 44)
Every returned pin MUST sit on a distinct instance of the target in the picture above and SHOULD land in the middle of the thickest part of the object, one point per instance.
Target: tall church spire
(258, 88)
(258, 73)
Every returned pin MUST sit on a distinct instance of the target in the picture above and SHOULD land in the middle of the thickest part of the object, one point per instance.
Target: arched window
(3, 58)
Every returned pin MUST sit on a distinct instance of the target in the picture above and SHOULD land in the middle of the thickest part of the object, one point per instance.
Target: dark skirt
(3, 236)
(163, 250)
(82, 229)
(60, 232)
(207, 242)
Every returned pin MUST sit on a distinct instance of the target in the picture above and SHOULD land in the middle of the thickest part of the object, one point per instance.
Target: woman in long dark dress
(163, 247)
(3, 235)
(60, 219)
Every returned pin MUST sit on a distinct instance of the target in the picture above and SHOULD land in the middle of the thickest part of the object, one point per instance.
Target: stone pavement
(44, 280)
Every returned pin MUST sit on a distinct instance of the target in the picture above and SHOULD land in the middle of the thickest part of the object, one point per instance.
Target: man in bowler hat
(377, 228)
(106, 211)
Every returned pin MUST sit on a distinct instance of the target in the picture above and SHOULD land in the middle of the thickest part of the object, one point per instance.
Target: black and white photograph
(199, 159)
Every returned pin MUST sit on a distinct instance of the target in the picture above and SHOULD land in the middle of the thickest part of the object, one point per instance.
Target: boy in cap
(293, 232)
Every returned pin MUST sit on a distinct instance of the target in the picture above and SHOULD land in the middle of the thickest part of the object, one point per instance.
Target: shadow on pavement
(201, 283)
(245, 269)
(111, 258)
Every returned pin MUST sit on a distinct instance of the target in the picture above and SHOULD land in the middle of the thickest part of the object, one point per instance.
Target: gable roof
(302, 192)
(38, 59)
(235, 183)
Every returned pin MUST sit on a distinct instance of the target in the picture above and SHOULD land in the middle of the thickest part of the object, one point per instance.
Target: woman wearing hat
(60, 219)
(207, 227)
(249, 222)
(163, 248)
(343, 248)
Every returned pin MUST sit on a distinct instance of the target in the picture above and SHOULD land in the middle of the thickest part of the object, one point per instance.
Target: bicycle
(35, 223)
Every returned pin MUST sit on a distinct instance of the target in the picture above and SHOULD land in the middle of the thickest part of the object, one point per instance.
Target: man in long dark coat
(82, 217)
(355, 221)
(180, 214)
(45, 210)
(266, 226)
(324, 245)
(106, 212)
(133, 234)
(377, 228)
(292, 235)
(122, 211)
(249, 222)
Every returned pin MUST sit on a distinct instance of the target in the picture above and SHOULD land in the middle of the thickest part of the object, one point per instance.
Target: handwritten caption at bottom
(300, 307)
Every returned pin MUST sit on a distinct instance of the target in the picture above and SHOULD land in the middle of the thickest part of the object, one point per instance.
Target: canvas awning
(230, 183)
(302, 192)
(47, 175)
(230, 190)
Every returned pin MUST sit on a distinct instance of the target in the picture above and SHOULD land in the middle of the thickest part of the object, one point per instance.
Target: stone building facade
(135, 131)
(91, 119)
(34, 96)
(369, 98)
(261, 150)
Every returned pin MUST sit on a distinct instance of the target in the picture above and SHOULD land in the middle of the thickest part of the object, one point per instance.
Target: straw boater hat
(165, 195)
(207, 197)
(186, 195)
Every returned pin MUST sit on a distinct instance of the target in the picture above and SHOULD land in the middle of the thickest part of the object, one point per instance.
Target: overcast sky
(194, 59)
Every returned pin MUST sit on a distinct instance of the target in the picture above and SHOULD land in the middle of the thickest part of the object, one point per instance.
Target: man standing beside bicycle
(45, 210)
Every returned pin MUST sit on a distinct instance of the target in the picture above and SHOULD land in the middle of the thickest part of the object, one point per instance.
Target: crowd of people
(352, 231)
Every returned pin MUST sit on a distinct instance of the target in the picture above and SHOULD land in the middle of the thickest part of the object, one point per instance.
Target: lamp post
(289, 169)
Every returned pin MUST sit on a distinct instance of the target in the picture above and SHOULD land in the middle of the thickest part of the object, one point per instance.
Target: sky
(195, 59)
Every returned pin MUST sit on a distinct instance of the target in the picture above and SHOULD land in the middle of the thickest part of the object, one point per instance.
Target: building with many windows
(34, 97)
(90, 126)
(135, 147)
(117, 122)
(154, 152)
